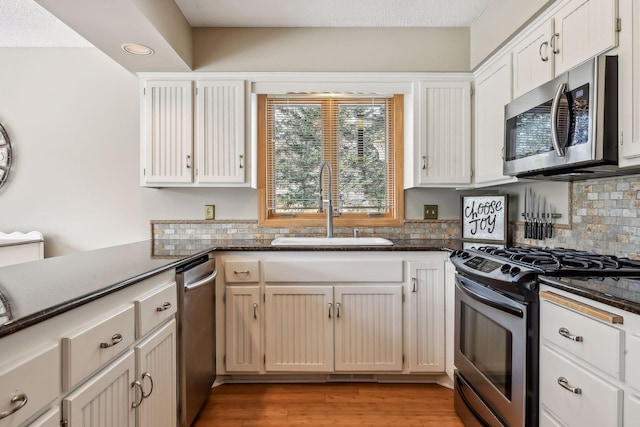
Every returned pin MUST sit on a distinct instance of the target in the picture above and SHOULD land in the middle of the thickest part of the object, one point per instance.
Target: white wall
(72, 115)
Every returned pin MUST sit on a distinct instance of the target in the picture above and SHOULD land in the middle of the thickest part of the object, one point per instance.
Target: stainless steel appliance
(567, 128)
(497, 325)
(196, 336)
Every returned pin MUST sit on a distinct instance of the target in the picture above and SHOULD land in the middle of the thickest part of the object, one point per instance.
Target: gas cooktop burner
(562, 262)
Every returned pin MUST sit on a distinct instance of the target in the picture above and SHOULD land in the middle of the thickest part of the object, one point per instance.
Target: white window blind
(355, 134)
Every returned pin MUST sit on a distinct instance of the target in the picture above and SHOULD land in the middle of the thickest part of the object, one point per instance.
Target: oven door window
(488, 346)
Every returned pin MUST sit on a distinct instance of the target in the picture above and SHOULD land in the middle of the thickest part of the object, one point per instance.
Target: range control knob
(465, 255)
(514, 271)
(505, 268)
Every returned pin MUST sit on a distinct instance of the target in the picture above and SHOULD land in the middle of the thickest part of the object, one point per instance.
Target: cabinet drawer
(242, 271)
(36, 379)
(356, 270)
(598, 404)
(95, 344)
(155, 307)
(601, 345)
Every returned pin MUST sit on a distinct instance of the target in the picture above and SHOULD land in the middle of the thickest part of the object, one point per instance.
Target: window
(359, 136)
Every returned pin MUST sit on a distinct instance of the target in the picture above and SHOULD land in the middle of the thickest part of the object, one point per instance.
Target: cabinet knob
(146, 375)
(165, 306)
(565, 333)
(20, 400)
(564, 383)
(137, 384)
(115, 339)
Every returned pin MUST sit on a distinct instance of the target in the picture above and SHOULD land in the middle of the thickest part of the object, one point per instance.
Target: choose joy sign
(484, 217)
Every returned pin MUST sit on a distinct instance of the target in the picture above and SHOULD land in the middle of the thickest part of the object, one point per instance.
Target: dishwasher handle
(191, 286)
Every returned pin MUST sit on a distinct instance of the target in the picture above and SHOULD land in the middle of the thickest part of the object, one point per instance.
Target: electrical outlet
(210, 212)
(430, 211)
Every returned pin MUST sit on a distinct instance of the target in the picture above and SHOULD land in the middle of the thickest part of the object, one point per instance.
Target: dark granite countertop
(35, 291)
(619, 293)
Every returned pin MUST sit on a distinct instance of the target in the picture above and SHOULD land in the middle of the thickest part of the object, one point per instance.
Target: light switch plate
(210, 212)
(430, 211)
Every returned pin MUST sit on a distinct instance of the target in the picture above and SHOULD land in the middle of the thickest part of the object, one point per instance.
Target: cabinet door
(243, 328)
(445, 133)
(105, 399)
(167, 150)
(629, 79)
(220, 132)
(368, 328)
(156, 371)
(299, 328)
(493, 92)
(426, 324)
(533, 59)
(583, 28)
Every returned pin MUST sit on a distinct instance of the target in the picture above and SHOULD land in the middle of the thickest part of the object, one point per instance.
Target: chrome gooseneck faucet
(329, 193)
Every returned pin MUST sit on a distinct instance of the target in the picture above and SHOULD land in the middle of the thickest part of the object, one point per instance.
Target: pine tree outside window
(360, 136)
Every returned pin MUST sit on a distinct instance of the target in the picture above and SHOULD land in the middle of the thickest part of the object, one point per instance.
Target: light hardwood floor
(335, 404)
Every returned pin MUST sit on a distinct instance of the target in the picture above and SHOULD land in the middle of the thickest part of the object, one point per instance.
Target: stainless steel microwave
(567, 128)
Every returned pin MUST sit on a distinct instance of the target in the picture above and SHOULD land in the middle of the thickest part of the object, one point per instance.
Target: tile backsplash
(604, 218)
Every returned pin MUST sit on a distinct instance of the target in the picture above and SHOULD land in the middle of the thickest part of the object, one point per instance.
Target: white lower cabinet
(244, 323)
(333, 328)
(426, 299)
(105, 399)
(156, 372)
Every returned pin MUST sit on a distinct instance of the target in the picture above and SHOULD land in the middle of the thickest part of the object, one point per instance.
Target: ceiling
(26, 24)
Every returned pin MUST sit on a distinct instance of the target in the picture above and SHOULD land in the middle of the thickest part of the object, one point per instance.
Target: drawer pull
(330, 310)
(21, 400)
(165, 306)
(241, 273)
(414, 284)
(338, 309)
(255, 310)
(115, 339)
(147, 375)
(564, 383)
(138, 384)
(565, 333)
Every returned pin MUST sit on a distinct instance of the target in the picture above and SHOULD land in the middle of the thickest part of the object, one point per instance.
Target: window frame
(394, 217)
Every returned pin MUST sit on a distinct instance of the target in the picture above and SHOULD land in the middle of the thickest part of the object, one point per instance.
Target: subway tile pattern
(604, 218)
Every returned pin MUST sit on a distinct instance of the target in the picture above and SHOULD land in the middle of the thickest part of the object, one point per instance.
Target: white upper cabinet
(533, 59)
(583, 29)
(167, 133)
(493, 92)
(444, 117)
(629, 81)
(220, 138)
(571, 34)
(181, 146)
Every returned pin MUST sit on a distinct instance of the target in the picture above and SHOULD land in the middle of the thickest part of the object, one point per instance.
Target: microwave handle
(560, 151)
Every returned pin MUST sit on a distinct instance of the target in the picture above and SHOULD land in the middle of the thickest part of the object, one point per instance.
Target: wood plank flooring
(334, 404)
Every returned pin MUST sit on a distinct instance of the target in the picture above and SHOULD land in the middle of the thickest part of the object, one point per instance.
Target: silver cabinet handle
(564, 383)
(238, 273)
(330, 310)
(255, 310)
(424, 162)
(338, 309)
(414, 284)
(241, 160)
(115, 339)
(565, 333)
(188, 162)
(21, 400)
(138, 384)
(165, 306)
(146, 375)
(546, 57)
(554, 48)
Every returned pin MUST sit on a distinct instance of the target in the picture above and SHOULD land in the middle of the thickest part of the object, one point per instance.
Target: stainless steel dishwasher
(196, 336)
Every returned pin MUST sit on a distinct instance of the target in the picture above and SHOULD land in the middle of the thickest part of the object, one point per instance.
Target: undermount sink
(331, 241)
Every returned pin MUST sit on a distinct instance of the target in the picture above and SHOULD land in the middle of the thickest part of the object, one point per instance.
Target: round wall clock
(5, 156)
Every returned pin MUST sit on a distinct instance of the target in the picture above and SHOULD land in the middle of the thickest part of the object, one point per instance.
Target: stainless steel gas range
(497, 325)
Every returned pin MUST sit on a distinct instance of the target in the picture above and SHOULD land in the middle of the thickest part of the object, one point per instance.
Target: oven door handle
(478, 295)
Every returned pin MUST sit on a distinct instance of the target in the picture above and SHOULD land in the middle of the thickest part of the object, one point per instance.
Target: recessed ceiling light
(137, 49)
